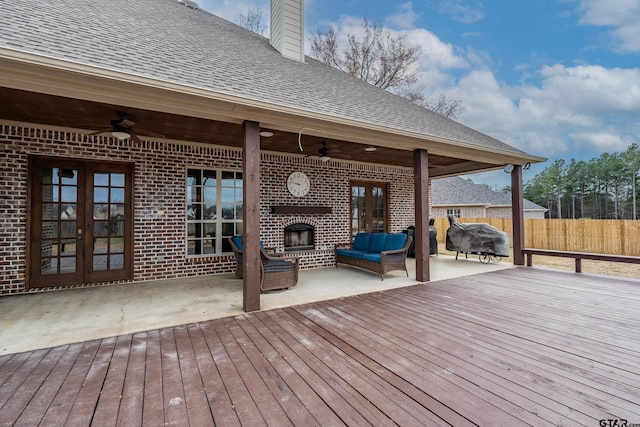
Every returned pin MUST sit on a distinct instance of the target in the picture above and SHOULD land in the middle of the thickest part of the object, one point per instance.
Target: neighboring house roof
(166, 41)
(457, 191)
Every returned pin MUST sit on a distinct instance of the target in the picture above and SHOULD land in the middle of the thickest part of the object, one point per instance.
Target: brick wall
(329, 187)
(159, 186)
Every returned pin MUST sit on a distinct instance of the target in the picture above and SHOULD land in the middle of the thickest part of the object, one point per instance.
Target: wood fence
(604, 236)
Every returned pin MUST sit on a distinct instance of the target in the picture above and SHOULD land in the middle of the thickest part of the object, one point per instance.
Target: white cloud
(593, 89)
(435, 53)
(461, 12)
(436, 56)
(602, 141)
(572, 112)
(405, 18)
(621, 16)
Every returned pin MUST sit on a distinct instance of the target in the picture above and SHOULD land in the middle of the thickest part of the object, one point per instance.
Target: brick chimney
(287, 28)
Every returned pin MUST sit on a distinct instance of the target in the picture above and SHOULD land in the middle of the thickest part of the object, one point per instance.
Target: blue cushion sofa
(377, 252)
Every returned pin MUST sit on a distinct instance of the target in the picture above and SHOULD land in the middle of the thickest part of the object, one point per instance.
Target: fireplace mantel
(308, 210)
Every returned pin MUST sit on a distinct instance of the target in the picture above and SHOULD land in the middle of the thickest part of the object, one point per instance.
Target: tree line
(605, 187)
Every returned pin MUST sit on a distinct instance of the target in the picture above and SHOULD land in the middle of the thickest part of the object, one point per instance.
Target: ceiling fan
(323, 153)
(122, 129)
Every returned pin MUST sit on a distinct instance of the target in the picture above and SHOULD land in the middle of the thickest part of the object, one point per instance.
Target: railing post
(517, 215)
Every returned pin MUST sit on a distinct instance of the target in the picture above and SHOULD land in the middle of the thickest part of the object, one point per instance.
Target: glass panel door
(378, 209)
(59, 232)
(358, 209)
(108, 221)
(81, 223)
(368, 207)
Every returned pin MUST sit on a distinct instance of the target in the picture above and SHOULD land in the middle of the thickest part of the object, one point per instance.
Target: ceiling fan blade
(134, 137)
(126, 123)
(105, 130)
(149, 133)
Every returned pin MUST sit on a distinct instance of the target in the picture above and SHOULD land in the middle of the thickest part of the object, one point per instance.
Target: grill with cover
(490, 243)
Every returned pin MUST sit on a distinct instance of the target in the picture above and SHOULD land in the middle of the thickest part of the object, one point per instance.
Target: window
(453, 212)
(214, 210)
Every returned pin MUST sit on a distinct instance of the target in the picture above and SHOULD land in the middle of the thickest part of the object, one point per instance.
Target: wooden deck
(522, 346)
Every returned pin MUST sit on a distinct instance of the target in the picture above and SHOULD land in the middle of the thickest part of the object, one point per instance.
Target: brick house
(463, 199)
(138, 136)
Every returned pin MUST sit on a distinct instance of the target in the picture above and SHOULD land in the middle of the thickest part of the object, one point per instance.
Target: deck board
(130, 412)
(153, 399)
(34, 411)
(60, 407)
(522, 346)
(473, 343)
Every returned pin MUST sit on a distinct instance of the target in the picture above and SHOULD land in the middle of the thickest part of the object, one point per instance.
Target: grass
(617, 269)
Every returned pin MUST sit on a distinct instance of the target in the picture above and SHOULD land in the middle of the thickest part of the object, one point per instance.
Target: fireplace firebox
(298, 237)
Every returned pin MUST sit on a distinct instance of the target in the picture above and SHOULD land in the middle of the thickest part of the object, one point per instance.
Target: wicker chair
(277, 271)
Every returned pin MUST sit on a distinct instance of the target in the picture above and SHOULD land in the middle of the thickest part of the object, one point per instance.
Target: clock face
(298, 184)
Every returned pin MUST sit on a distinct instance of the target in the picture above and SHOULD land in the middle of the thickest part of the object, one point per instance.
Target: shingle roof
(164, 40)
(458, 191)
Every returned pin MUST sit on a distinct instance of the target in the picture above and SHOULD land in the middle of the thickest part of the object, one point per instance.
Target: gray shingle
(162, 39)
(459, 191)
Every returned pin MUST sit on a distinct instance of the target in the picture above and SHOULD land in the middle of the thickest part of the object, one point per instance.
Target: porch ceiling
(52, 110)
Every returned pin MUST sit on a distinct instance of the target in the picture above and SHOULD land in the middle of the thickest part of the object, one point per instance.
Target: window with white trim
(213, 210)
(453, 212)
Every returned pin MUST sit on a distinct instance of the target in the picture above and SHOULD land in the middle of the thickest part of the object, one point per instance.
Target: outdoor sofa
(377, 252)
(277, 271)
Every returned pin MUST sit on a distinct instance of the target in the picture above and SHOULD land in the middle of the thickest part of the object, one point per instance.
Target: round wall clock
(298, 184)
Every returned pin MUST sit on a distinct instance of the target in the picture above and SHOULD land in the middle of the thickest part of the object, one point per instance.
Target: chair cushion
(237, 240)
(373, 257)
(395, 241)
(361, 242)
(377, 242)
(275, 266)
(352, 253)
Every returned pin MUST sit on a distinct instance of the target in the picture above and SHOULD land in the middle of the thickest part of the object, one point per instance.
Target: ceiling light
(325, 158)
(120, 135)
(370, 149)
(266, 134)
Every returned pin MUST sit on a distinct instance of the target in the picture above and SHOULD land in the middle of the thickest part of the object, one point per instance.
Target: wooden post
(421, 183)
(251, 217)
(517, 204)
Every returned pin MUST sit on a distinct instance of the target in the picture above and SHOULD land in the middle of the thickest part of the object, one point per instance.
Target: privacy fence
(604, 236)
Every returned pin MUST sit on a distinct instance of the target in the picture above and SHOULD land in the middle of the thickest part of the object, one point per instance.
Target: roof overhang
(81, 89)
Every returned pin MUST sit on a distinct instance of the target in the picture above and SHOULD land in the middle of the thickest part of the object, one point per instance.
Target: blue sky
(555, 78)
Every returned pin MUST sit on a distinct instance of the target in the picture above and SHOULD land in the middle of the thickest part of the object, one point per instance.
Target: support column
(517, 215)
(421, 183)
(251, 217)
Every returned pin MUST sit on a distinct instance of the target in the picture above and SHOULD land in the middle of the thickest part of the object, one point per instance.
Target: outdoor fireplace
(298, 237)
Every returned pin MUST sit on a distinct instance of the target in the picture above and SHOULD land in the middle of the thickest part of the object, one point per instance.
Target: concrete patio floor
(50, 319)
